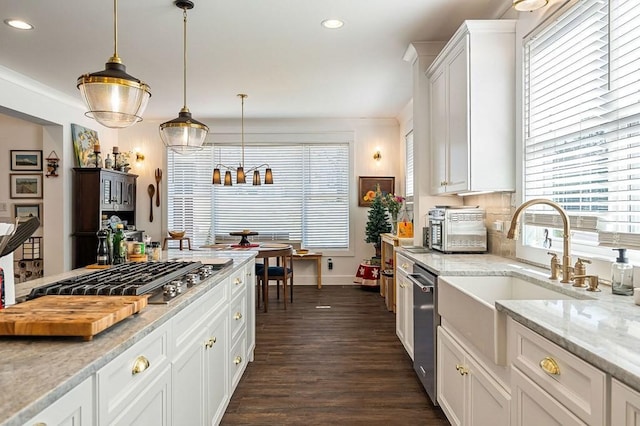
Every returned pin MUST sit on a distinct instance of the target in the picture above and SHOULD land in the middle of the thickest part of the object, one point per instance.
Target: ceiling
(273, 50)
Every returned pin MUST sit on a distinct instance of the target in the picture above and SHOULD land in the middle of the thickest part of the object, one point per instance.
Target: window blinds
(308, 202)
(409, 166)
(582, 115)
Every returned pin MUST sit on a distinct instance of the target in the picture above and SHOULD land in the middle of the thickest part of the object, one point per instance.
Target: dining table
(264, 252)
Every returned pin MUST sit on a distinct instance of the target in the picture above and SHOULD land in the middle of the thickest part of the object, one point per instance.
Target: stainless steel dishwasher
(425, 324)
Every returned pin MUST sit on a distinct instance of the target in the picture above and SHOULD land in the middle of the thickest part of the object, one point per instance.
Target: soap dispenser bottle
(622, 274)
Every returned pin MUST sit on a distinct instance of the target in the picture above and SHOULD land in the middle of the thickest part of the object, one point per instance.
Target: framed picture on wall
(368, 185)
(24, 212)
(30, 160)
(25, 186)
(84, 140)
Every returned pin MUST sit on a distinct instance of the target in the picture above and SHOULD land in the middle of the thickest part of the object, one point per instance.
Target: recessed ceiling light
(18, 24)
(332, 23)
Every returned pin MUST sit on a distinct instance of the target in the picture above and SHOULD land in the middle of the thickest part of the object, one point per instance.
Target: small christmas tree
(377, 223)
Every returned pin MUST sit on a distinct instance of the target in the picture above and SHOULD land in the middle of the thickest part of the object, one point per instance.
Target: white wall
(369, 135)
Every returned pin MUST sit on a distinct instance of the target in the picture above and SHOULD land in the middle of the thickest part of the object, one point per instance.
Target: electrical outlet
(330, 263)
(3, 207)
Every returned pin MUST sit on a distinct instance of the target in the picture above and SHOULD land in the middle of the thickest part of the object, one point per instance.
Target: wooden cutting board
(83, 316)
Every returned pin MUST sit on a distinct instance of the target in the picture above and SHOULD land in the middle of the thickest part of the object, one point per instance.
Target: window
(582, 120)
(408, 149)
(308, 202)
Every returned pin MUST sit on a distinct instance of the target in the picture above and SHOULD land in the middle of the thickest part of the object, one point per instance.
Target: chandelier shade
(184, 134)
(241, 175)
(114, 98)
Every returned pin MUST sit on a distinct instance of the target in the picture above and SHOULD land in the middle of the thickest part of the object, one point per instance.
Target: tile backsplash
(499, 208)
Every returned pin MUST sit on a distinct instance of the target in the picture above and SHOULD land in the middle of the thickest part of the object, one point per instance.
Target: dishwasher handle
(416, 278)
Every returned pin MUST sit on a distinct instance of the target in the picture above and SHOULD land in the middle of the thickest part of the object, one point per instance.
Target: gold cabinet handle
(40, 424)
(237, 281)
(140, 364)
(210, 342)
(237, 316)
(405, 265)
(462, 369)
(237, 360)
(550, 366)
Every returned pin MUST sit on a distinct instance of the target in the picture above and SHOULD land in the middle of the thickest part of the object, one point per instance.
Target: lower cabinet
(404, 303)
(551, 386)
(467, 393)
(625, 405)
(76, 408)
(199, 375)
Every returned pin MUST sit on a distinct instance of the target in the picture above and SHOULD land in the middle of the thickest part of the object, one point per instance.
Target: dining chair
(281, 272)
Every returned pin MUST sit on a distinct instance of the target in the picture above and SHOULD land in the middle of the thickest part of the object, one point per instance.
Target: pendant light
(115, 99)
(240, 173)
(529, 5)
(184, 133)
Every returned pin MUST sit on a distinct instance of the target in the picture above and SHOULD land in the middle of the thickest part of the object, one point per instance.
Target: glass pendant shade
(240, 177)
(216, 177)
(529, 5)
(114, 98)
(183, 134)
(268, 177)
(227, 178)
(256, 177)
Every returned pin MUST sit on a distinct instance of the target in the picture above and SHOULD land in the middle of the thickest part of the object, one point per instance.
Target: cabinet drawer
(237, 281)
(576, 384)
(189, 320)
(403, 264)
(237, 316)
(118, 385)
(237, 361)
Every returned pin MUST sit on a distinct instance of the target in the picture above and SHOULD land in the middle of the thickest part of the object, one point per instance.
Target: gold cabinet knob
(210, 342)
(237, 281)
(237, 360)
(237, 316)
(405, 265)
(549, 365)
(140, 364)
(462, 369)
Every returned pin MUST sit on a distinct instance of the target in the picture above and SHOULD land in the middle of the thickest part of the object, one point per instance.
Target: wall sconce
(529, 5)
(139, 157)
(52, 164)
(377, 156)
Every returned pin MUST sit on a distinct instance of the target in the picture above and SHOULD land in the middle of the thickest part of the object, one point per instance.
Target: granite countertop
(599, 327)
(36, 371)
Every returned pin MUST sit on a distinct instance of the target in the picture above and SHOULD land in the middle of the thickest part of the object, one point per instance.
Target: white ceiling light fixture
(115, 99)
(529, 5)
(184, 133)
(332, 23)
(240, 172)
(18, 24)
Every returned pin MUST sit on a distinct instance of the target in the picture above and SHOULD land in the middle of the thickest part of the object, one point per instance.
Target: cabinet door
(152, 405)
(532, 406)
(107, 195)
(408, 333)
(488, 402)
(73, 409)
(129, 193)
(625, 405)
(451, 380)
(438, 132)
(401, 306)
(188, 373)
(217, 375)
(458, 120)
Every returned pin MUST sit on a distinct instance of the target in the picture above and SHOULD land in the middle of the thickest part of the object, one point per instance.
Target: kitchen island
(601, 329)
(37, 371)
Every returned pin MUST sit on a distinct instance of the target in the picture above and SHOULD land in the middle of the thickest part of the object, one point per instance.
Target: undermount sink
(468, 304)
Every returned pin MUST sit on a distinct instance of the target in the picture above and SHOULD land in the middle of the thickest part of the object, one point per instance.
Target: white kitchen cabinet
(625, 405)
(76, 408)
(467, 393)
(472, 110)
(545, 377)
(404, 302)
(135, 381)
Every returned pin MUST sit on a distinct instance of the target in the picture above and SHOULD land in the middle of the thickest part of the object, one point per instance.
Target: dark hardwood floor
(341, 365)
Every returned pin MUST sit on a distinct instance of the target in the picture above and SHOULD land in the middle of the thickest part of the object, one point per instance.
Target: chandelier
(240, 172)
(115, 99)
(184, 133)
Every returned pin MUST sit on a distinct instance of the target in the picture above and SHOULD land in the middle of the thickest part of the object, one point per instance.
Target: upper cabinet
(472, 110)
